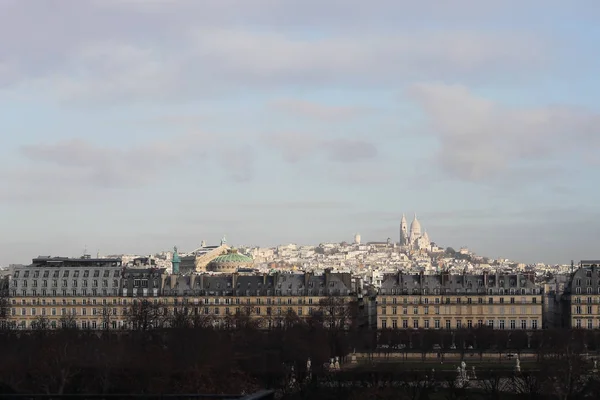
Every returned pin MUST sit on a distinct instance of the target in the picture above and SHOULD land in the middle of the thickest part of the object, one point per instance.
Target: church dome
(230, 262)
(415, 226)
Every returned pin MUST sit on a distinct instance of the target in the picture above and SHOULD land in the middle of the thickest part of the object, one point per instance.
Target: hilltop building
(415, 239)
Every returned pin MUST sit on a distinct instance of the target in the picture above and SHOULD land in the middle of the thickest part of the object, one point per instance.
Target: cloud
(480, 139)
(78, 166)
(319, 111)
(102, 166)
(301, 147)
(238, 162)
(155, 51)
(294, 205)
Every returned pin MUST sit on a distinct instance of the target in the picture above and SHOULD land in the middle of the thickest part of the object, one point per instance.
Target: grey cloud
(344, 150)
(103, 166)
(294, 205)
(73, 165)
(155, 52)
(480, 139)
(238, 162)
(319, 111)
(300, 147)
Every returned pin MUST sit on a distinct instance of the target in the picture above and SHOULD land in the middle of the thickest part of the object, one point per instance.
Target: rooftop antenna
(572, 266)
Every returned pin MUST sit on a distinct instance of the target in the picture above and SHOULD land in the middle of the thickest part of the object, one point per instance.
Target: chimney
(421, 278)
(485, 278)
(234, 278)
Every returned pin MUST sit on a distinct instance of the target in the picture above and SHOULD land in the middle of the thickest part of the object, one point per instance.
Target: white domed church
(413, 240)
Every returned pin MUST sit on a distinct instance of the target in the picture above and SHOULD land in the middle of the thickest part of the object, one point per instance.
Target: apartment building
(445, 301)
(581, 298)
(102, 294)
(65, 290)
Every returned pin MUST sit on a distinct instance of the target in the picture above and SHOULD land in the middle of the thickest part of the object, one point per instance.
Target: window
(458, 324)
(491, 323)
(469, 323)
(405, 323)
(589, 324)
(415, 323)
(394, 324)
(383, 324)
(448, 326)
(426, 324)
(501, 324)
(534, 324)
(578, 322)
(523, 324)
(513, 324)
(436, 324)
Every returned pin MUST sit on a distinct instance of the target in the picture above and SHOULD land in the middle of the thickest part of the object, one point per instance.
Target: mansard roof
(454, 283)
(258, 285)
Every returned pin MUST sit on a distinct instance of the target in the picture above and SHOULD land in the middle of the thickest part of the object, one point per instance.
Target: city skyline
(274, 124)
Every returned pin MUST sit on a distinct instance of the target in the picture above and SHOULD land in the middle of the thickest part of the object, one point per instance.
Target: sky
(132, 126)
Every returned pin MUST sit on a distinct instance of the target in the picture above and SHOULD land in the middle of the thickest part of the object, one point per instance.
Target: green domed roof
(233, 257)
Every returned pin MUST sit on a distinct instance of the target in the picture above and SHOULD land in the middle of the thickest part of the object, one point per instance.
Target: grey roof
(456, 283)
(257, 285)
(585, 278)
(67, 276)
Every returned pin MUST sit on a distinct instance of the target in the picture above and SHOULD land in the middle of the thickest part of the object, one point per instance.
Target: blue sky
(131, 126)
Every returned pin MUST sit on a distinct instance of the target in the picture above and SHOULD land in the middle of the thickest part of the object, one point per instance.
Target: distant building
(415, 239)
(581, 298)
(445, 301)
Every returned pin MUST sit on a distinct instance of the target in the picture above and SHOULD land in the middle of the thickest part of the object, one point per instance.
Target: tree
(4, 303)
(68, 321)
(108, 316)
(41, 323)
(144, 315)
(337, 312)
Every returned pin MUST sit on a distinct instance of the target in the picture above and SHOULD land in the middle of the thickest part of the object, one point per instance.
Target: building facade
(445, 301)
(581, 298)
(102, 294)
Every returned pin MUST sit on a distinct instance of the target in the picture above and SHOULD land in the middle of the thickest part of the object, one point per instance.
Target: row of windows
(107, 311)
(437, 291)
(450, 310)
(66, 273)
(589, 323)
(458, 300)
(588, 290)
(65, 282)
(175, 301)
(437, 324)
(588, 309)
(65, 292)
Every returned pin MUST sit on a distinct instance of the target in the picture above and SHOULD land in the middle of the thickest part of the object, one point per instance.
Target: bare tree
(337, 312)
(144, 315)
(528, 384)
(68, 321)
(493, 384)
(41, 323)
(180, 318)
(109, 315)
(4, 303)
